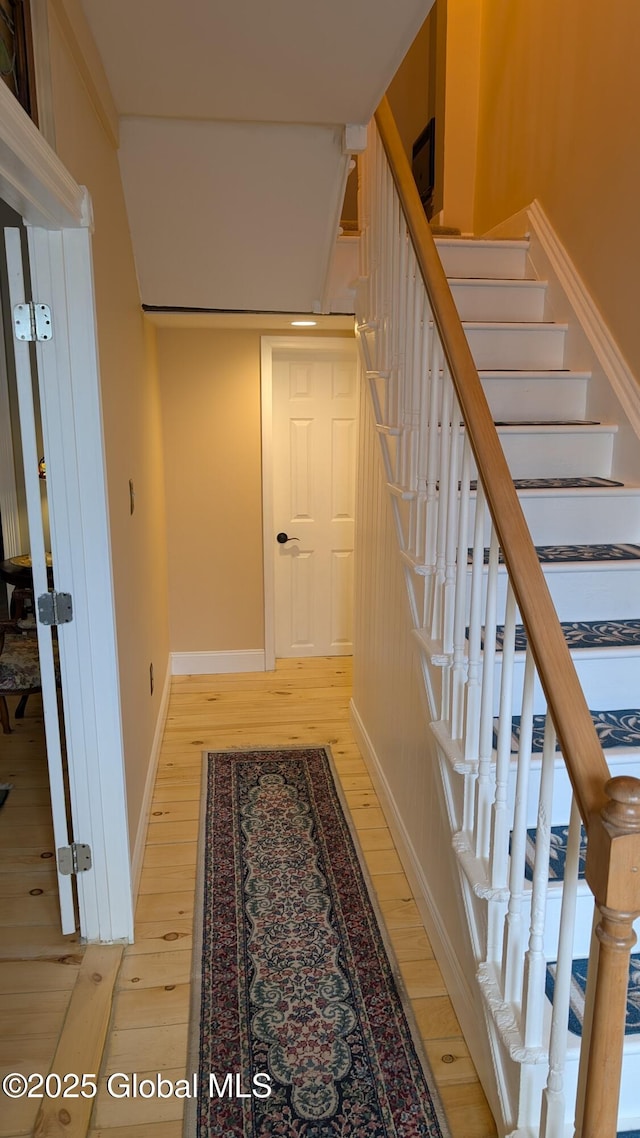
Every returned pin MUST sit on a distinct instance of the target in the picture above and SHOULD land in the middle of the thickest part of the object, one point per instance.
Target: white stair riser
(498, 260)
(584, 921)
(577, 517)
(609, 681)
(517, 397)
(619, 763)
(607, 592)
(558, 453)
(628, 1107)
(521, 348)
(499, 300)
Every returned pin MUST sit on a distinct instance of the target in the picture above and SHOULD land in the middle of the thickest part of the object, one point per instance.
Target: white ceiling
(308, 61)
(231, 139)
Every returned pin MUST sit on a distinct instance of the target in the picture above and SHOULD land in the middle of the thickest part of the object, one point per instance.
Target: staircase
(505, 682)
(586, 526)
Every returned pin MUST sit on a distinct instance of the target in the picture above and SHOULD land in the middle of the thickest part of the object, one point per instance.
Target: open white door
(314, 450)
(24, 363)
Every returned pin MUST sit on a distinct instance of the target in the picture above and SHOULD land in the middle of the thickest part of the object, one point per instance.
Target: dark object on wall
(16, 53)
(423, 164)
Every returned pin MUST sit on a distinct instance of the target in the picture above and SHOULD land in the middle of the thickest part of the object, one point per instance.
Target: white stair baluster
(433, 450)
(424, 381)
(444, 491)
(535, 960)
(500, 821)
(459, 669)
(513, 955)
(485, 780)
(552, 1118)
(451, 542)
(474, 672)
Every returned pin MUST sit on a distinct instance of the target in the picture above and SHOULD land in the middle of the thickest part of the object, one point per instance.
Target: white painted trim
(145, 810)
(8, 487)
(33, 180)
(217, 663)
(608, 353)
(513, 228)
(68, 375)
(471, 1019)
(268, 344)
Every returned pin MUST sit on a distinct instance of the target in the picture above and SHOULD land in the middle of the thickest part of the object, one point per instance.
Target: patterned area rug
(298, 1026)
(548, 554)
(557, 853)
(579, 987)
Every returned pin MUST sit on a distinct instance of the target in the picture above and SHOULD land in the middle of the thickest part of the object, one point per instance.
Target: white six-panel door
(313, 446)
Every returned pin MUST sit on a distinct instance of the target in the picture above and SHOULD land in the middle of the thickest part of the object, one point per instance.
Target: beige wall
(130, 410)
(210, 384)
(559, 98)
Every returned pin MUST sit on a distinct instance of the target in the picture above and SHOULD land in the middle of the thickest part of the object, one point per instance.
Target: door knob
(283, 538)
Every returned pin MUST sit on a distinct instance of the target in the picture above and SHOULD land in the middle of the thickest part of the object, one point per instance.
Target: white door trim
(8, 488)
(269, 344)
(58, 211)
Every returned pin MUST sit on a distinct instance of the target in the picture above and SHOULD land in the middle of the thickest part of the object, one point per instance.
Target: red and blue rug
(299, 1027)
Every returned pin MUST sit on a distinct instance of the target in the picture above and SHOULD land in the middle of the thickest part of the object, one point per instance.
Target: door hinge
(32, 321)
(55, 608)
(75, 858)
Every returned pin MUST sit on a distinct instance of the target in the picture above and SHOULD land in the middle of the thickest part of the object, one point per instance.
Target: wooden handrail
(610, 810)
(586, 765)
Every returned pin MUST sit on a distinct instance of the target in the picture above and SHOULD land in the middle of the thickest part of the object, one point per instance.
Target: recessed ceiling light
(303, 323)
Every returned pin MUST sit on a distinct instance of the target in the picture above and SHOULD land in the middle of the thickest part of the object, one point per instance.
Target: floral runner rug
(298, 1026)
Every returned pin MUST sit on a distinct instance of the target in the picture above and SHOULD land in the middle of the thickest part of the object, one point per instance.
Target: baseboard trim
(588, 315)
(145, 810)
(217, 663)
(443, 946)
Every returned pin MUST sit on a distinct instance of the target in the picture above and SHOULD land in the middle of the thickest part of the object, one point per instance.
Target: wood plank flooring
(42, 981)
(303, 702)
(38, 966)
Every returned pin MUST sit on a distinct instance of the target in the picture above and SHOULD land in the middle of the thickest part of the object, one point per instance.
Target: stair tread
(581, 553)
(554, 423)
(578, 986)
(582, 482)
(616, 728)
(581, 634)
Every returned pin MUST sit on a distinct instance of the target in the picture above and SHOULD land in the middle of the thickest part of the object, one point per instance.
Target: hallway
(304, 701)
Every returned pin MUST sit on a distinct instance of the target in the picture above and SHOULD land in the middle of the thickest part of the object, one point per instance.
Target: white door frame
(269, 344)
(58, 214)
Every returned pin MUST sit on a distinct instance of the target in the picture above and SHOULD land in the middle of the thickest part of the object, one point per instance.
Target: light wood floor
(38, 966)
(303, 702)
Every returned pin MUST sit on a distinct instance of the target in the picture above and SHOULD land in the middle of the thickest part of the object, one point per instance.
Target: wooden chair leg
(4, 716)
(22, 706)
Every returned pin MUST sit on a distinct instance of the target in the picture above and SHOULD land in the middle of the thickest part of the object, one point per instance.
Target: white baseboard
(469, 1013)
(217, 663)
(589, 317)
(143, 821)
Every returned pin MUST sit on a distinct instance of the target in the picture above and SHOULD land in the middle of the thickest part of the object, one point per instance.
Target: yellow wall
(559, 98)
(210, 384)
(131, 414)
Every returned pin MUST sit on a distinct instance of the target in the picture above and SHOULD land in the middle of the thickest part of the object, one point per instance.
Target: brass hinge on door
(32, 322)
(74, 859)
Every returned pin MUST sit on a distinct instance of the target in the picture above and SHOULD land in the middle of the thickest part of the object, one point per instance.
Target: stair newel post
(552, 1117)
(474, 669)
(485, 781)
(459, 670)
(613, 874)
(433, 450)
(444, 492)
(500, 822)
(513, 955)
(535, 960)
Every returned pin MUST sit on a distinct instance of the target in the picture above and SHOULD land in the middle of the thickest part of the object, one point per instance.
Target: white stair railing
(475, 572)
